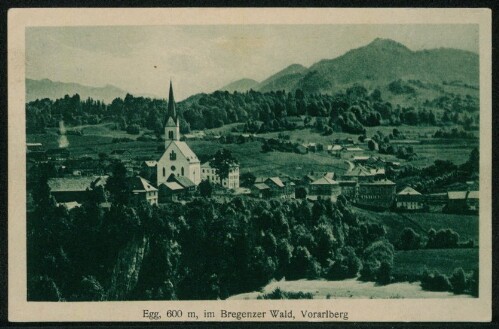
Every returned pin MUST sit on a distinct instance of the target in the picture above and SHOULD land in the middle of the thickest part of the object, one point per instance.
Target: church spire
(171, 104)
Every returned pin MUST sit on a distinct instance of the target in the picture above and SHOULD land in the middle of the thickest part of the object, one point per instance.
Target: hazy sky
(142, 59)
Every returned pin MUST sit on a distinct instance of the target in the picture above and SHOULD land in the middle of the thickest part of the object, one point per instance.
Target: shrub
(409, 240)
(279, 294)
(377, 253)
(345, 265)
(133, 129)
(444, 238)
(458, 281)
(435, 281)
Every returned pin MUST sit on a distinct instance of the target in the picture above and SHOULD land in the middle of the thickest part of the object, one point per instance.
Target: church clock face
(173, 168)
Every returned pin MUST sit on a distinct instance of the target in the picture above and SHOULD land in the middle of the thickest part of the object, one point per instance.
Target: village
(177, 174)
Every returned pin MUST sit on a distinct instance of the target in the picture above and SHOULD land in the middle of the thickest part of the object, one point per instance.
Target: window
(164, 171)
(182, 171)
(173, 168)
(170, 135)
(173, 155)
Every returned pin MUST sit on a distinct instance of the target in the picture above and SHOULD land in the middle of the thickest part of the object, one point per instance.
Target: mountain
(378, 63)
(285, 79)
(45, 88)
(240, 85)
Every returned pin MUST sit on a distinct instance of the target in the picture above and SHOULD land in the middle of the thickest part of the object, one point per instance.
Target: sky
(204, 58)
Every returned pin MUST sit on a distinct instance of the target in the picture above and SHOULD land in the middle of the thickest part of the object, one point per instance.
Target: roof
(379, 182)
(71, 184)
(324, 181)
(261, 186)
(408, 191)
(461, 195)
(173, 186)
(140, 184)
(329, 174)
(337, 148)
(361, 158)
(353, 149)
(359, 171)
(186, 151)
(276, 180)
(181, 180)
(151, 163)
(379, 171)
(347, 182)
(70, 205)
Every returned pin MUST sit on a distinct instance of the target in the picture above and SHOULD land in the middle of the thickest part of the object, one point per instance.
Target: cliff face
(127, 268)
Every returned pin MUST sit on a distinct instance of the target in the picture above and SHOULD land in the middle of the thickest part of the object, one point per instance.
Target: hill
(377, 64)
(242, 85)
(45, 88)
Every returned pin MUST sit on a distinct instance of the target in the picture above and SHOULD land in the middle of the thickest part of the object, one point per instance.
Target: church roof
(186, 151)
(172, 112)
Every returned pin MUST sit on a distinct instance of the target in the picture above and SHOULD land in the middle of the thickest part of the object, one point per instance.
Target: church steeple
(171, 103)
(172, 130)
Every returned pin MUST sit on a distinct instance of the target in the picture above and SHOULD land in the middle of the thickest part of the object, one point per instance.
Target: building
(348, 189)
(210, 174)
(462, 202)
(325, 187)
(178, 159)
(170, 191)
(260, 190)
(75, 188)
(142, 190)
(378, 194)
(410, 199)
(277, 187)
(359, 174)
(149, 170)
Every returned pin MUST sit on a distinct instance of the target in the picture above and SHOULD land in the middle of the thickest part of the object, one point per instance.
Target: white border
(473, 309)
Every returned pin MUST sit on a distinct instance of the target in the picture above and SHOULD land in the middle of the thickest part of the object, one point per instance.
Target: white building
(178, 158)
(231, 182)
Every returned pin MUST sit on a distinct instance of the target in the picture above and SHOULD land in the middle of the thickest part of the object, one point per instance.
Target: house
(354, 149)
(277, 187)
(121, 154)
(74, 188)
(325, 187)
(149, 170)
(335, 148)
(142, 190)
(178, 159)
(183, 181)
(377, 194)
(260, 190)
(410, 199)
(348, 189)
(462, 202)
(360, 174)
(169, 191)
(210, 174)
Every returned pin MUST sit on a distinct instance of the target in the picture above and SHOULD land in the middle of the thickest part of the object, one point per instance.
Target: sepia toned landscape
(349, 176)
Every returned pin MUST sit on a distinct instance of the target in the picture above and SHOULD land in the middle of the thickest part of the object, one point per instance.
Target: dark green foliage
(222, 161)
(346, 264)
(375, 256)
(205, 188)
(444, 238)
(279, 294)
(458, 281)
(409, 240)
(435, 281)
(117, 184)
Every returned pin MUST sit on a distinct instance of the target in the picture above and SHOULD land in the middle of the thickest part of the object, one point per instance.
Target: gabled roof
(324, 181)
(461, 195)
(71, 184)
(70, 205)
(181, 180)
(276, 180)
(359, 171)
(261, 186)
(140, 184)
(173, 186)
(151, 163)
(408, 191)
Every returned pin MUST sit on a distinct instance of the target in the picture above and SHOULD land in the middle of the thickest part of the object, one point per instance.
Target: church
(178, 161)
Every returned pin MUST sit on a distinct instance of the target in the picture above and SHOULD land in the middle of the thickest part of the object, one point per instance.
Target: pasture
(411, 263)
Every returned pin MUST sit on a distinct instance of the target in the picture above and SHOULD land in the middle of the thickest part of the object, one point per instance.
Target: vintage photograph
(252, 162)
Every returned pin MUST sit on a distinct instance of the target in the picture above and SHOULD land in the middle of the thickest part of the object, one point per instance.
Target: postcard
(270, 164)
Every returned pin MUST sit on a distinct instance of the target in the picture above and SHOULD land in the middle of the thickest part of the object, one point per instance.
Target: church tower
(172, 128)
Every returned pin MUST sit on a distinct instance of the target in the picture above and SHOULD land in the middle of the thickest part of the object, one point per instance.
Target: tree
(222, 162)
(205, 188)
(117, 184)
(409, 239)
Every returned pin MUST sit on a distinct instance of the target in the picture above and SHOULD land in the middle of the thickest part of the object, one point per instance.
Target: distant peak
(387, 43)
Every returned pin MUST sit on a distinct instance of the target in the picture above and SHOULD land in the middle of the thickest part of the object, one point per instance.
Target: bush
(444, 238)
(133, 129)
(375, 255)
(345, 265)
(409, 240)
(435, 281)
(279, 294)
(458, 281)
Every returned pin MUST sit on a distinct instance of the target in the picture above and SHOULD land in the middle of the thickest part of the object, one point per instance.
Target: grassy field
(409, 263)
(350, 288)
(465, 225)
